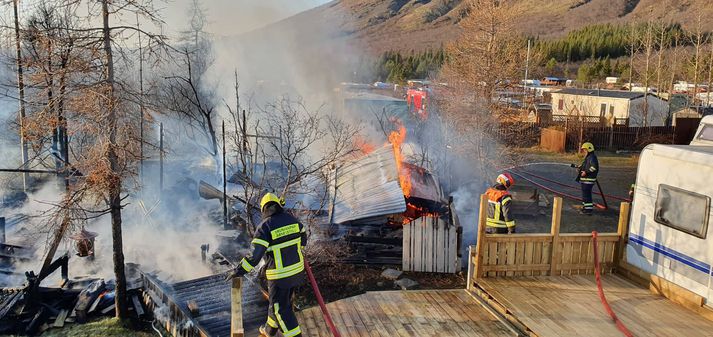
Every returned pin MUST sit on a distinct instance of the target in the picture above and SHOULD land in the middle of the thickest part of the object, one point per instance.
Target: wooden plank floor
(570, 306)
(405, 313)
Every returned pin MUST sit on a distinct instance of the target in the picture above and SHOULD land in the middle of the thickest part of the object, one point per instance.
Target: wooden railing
(511, 255)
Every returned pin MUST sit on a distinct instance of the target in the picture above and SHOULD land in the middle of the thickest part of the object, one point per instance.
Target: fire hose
(597, 277)
(573, 187)
(600, 206)
(320, 300)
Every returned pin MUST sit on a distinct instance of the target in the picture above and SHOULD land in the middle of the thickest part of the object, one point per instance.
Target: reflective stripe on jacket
(280, 238)
(499, 201)
(590, 167)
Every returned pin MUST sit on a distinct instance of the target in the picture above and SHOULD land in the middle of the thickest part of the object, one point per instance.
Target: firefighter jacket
(499, 202)
(590, 168)
(280, 238)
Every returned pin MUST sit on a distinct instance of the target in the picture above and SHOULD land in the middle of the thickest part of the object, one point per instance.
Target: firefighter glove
(233, 273)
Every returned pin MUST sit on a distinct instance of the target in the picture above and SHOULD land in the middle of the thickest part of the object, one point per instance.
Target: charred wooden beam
(86, 299)
(175, 324)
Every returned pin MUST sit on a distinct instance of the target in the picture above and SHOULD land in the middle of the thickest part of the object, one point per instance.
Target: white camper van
(704, 135)
(669, 230)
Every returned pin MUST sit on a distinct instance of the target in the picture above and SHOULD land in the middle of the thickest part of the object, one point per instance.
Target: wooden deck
(570, 306)
(405, 313)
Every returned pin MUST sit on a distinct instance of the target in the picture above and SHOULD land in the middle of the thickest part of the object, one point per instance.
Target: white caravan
(669, 232)
(704, 135)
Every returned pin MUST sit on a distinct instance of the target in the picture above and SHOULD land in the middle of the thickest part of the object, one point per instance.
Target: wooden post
(2, 230)
(471, 263)
(477, 270)
(555, 232)
(236, 309)
(622, 231)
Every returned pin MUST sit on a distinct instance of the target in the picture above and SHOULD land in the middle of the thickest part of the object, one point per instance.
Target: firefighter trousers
(587, 203)
(280, 315)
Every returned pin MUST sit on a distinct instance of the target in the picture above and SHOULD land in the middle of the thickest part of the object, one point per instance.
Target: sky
(232, 17)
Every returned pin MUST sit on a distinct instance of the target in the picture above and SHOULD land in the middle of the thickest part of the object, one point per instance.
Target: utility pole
(141, 105)
(527, 68)
(225, 185)
(160, 148)
(21, 96)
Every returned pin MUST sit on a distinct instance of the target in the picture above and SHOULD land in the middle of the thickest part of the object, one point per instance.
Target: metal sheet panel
(212, 295)
(369, 187)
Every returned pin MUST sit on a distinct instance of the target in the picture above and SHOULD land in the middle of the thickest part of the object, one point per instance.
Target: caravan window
(706, 132)
(683, 210)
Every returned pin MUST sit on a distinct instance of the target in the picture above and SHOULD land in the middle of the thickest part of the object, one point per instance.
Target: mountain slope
(406, 25)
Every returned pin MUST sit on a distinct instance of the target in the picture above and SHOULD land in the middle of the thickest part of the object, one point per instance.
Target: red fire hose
(320, 300)
(600, 206)
(573, 187)
(597, 277)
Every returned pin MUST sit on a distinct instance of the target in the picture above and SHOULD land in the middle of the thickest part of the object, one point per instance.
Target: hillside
(406, 25)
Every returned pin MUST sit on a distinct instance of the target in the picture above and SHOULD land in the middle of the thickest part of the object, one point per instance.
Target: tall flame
(396, 138)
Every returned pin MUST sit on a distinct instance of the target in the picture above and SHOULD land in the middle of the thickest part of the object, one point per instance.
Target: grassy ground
(605, 158)
(108, 327)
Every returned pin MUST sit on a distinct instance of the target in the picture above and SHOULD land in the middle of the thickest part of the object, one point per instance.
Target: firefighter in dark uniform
(499, 218)
(280, 237)
(587, 176)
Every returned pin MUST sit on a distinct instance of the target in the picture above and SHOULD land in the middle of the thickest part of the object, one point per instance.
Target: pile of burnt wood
(32, 309)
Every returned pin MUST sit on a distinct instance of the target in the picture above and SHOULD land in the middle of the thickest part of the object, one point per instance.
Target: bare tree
(661, 46)
(185, 94)
(633, 48)
(675, 61)
(647, 43)
(251, 166)
(709, 91)
(698, 39)
(304, 142)
(196, 33)
(96, 105)
(487, 57)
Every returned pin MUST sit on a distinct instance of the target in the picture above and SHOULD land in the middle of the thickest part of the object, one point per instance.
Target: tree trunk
(21, 98)
(115, 189)
(710, 76)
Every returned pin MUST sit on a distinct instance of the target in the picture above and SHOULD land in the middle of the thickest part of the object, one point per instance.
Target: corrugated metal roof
(602, 93)
(212, 295)
(369, 187)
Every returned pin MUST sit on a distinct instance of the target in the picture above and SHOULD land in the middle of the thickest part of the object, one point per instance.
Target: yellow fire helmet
(271, 197)
(589, 147)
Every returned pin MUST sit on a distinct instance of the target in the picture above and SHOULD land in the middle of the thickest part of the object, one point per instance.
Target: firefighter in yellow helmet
(280, 238)
(587, 176)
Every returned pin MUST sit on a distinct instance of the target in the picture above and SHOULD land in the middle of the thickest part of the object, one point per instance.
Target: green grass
(108, 327)
(605, 158)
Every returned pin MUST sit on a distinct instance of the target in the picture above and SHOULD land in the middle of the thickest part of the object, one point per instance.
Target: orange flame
(414, 212)
(363, 145)
(396, 138)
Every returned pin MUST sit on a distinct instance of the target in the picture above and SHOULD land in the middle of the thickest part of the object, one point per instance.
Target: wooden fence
(617, 137)
(511, 255)
(520, 134)
(553, 140)
(430, 244)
